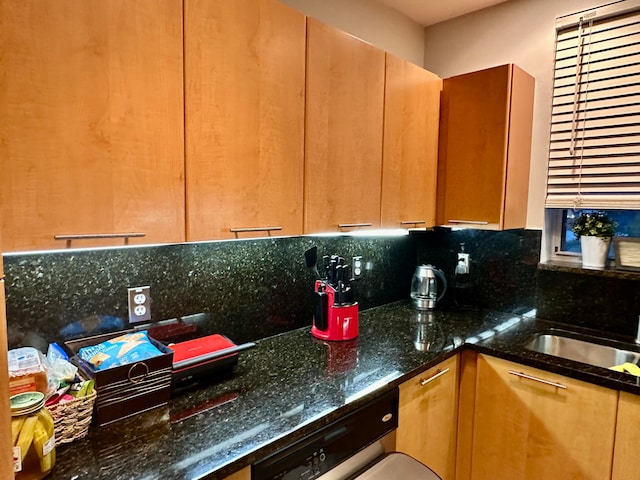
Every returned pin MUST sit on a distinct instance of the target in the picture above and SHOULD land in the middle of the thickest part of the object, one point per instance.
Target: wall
(251, 289)
(518, 31)
(503, 268)
(246, 289)
(375, 23)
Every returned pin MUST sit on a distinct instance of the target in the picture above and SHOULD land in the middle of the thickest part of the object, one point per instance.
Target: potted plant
(594, 230)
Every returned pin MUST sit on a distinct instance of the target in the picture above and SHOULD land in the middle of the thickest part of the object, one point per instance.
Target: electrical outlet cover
(357, 267)
(139, 304)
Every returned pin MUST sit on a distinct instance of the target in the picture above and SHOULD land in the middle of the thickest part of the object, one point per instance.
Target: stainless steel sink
(589, 350)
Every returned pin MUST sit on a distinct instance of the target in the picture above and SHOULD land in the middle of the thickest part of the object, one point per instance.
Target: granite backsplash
(502, 272)
(251, 289)
(245, 289)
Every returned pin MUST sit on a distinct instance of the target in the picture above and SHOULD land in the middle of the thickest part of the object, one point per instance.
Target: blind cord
(577, 202)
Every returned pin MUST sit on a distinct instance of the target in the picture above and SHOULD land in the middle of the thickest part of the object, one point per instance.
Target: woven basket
(71, 419)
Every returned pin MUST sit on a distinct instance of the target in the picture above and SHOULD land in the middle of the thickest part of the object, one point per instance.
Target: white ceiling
(428, 12)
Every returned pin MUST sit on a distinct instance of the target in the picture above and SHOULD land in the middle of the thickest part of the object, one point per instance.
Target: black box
(128, 389)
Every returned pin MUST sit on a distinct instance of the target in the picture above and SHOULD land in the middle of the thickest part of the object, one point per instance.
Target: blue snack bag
(127, 348)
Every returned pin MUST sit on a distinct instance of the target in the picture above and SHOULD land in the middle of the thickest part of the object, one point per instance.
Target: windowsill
(572, 267)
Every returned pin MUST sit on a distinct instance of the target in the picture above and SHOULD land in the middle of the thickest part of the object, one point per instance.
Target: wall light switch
(139, 304)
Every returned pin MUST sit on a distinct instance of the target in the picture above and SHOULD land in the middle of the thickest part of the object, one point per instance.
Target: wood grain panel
(410, 153)
(526, 430)
(91, 120)
(474, 140)
(625, 463)
(428, 418)
(519, 150)
(6, 459)
(343, 137)
(244, 474)
(244, 71)
(466, 404)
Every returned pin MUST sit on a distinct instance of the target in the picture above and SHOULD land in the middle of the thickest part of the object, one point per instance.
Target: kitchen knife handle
(354, 225)
(321, 315)
(254, 229)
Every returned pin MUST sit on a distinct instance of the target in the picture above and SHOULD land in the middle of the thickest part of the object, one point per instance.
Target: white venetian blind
(594, 152)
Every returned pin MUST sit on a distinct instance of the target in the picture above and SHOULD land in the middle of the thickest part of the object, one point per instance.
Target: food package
(127, 348)
(27, 371)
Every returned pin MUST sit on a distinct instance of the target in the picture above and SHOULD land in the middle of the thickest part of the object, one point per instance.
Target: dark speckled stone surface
(291, 384)
(599, 299)
(245, 289)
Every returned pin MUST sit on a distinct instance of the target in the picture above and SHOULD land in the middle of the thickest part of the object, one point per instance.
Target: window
(628, 225)
(594, 149)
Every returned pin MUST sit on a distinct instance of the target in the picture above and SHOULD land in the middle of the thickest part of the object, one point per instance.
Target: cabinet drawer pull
(439, 373)
(354, 225)
(536, 379)
(471, 222)
(417, 222)
(92, 236)
(254, 229)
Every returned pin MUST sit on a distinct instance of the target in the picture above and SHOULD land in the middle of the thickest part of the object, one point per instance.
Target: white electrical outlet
(463, 263)
(139, 304)
(357, 267)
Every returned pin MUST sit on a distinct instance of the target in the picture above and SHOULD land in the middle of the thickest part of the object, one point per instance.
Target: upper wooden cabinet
(343, 137)
(428, 417)
(533, 424)
(244, 100)
(410, 152)
(485, 148)
(91, 121)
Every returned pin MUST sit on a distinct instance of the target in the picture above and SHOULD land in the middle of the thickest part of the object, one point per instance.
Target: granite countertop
(291, 384)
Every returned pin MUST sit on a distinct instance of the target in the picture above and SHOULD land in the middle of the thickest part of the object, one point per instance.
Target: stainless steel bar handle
(471, 222)
(254, 229)
(536, 379)
(92, 236)
(439, 373)
(354, 225)
(417, 222)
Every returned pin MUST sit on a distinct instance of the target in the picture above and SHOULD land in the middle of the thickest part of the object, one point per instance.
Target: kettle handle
(443, 279)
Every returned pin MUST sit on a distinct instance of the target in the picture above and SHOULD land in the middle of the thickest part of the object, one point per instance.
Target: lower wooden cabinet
(244, 474)
(428, 418)
(531, 424)
(625, 452)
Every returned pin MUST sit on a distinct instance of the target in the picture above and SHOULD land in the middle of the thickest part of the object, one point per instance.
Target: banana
(47, 421)
(26, 435)
(40, 438)
(16, 426)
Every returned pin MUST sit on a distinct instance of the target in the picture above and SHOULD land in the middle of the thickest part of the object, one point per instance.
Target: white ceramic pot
(594, 251)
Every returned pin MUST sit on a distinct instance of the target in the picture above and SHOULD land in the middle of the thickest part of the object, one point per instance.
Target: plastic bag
(58, 366)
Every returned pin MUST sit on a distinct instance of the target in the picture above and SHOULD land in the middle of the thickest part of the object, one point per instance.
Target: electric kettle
(424, 287)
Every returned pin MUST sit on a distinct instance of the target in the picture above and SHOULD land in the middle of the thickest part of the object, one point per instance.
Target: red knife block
(331, 321)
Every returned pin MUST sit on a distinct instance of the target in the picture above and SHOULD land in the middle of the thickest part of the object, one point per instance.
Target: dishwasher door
(396, 465)
(349, 448)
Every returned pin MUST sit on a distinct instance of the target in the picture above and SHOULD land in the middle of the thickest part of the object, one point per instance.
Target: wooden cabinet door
(244, 71)
(625, 457)
(244, 474)
(6, 459)
(91, 121)
(527, 426)
(343, 137)
(410, 154)
(428, 418)
(485, 147)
